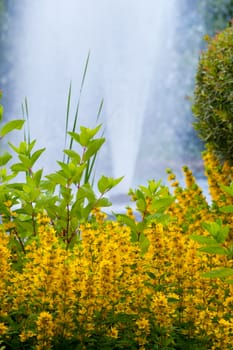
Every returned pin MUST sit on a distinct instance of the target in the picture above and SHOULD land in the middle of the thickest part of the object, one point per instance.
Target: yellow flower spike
(3, 328)
(130, 213)
(175, 184)
(42, 218)
(99, 215)
(171, 177)
(44, 326)
(143, 325)
(113, 333)
(8, 203)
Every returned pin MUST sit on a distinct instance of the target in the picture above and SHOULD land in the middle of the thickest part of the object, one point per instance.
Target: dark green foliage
(216, 14)
(213, 95)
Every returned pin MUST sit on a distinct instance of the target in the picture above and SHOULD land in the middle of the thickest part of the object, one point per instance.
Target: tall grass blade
(67, 119)
(25, 113)
(100, 110)
(91, 163)
(79, 99)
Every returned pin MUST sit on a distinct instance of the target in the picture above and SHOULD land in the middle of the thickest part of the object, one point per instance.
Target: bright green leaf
(103, 202)
(26, 161)
(219, 273)
(36, 155)
(216, 229)
(75, 136)
(228, 189)
(93, 148)
(87, 134)
(161, 204)
(73, 155)
(18, 167)
(107, 183)
(1, 112)
(227, 209)
(214, 250)
(57, 179)
(124, 219)
(37, 176)
(4, 159)
(103, 184)
(159, 218)
(203, 239)
(141, 204)
(10, 126)
(144, 243)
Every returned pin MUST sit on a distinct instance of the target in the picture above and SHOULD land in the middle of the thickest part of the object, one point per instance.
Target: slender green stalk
(67, 119)
(79, 99)
(25, 114)
(90, 164)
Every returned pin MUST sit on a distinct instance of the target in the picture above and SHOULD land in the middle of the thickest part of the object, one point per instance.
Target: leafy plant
(218, 242)
(213, 99)
(152, 203)
(66, 196)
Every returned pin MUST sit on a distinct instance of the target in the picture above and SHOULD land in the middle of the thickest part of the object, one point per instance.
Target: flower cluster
(106, 292)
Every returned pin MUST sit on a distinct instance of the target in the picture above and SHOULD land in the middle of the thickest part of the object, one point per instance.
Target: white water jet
(132, 46)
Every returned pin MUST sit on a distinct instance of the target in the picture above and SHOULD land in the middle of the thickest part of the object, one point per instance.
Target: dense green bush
(213, 95)
(216, 14)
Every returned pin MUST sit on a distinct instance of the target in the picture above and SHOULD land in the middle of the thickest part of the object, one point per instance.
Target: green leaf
(159, 218)
(10, 126)
(144, 243)
(141, 204)
(4, 159)
(73, 155)
(77, 173)
(93, 148)
(139, 194)
(151, 275)
(103, 202)
(66, 194)
(36, 155)
(214, 250)
(86, 191)
(57, 179)
(124, 219)
(162, 204)
(18, 167)
(107, 183)
(203, 239)
(26, 161)
(227, 209)
(216, 229)
(219, 273)
(87, 134)
(16, 149)
(24, 146)
(228, 189)
(1, 112)
(37, 176)
(103, 184)
(75, 136)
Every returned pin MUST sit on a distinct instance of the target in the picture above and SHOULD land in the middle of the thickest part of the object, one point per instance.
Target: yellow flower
(45, 327)
(8, 203)
(3, 328)
(143, 325)
(113, 333)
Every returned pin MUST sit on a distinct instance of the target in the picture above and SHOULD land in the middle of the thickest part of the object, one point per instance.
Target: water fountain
(134, 66)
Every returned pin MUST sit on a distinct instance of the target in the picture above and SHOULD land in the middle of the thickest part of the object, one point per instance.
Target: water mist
(134, 66)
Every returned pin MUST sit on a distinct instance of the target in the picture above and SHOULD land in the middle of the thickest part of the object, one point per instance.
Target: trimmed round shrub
(213, 95)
